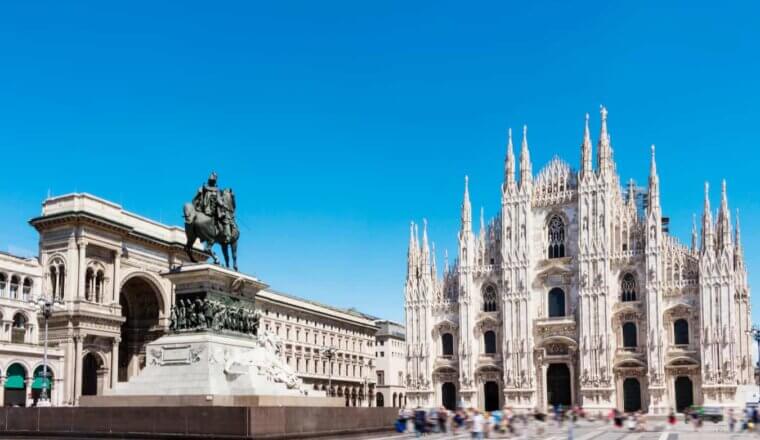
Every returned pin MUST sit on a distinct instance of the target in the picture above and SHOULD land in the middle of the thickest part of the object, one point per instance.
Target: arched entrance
(449, 396)
(15, 391)
(140, 305)
(684, 393)
(41, 382)
(558, 387)
(631, 395)
(491, 396)
(380, 401)
(91, 363)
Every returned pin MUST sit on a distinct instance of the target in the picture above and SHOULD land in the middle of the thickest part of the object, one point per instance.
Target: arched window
(3, 283)
(27, 289)
(447, 343)
(629, 335)
(556, 302)
(489, 299)
(57, 272)
(628, 288)
(18, 332)
(14, 287)
(489, 340)
(379, 401)
(556, 232)
(681, 332)
(99, 281)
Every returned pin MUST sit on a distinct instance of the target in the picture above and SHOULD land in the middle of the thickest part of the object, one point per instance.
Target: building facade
(390, 352)
(307, 328)
(104, 266)
(576, 293)
(21, 352)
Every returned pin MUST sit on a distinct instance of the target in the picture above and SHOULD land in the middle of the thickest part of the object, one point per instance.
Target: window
(489, 299)
(556, 232)
(57, 273)
(380, 377)
(489, 340)
(14, 287)
(681, 332)
(447, 342)
(3, 282)
(629, 335)
(27, 289)
(628, 288)
(556, 302)
(18, 331)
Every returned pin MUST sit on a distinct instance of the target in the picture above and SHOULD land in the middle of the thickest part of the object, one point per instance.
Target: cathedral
(576, 294)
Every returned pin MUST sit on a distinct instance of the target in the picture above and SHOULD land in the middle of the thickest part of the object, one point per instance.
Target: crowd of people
(508, 423)
(483, 424)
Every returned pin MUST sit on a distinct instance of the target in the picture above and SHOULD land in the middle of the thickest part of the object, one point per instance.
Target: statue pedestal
(213, 362)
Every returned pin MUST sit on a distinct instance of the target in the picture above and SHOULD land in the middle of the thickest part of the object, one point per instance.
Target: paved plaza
(595, 431)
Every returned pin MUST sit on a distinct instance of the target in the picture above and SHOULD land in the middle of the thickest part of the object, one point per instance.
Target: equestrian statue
(210, 217)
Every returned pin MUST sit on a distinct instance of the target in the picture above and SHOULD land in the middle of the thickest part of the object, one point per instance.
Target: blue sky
(338, 123)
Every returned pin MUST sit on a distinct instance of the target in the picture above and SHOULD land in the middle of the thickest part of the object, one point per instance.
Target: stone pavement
(655, 430)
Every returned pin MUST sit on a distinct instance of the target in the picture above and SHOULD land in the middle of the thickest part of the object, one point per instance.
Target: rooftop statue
(210, 217)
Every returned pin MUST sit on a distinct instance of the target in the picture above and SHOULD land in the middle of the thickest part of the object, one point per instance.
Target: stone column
(116, 275)
(77, 368)
(2, 389)
(81, 261)
(114, 362)
(28, 390)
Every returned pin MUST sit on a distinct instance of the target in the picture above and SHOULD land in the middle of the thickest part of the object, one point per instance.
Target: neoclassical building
(21, 336)
(104, 265)
(576, 293)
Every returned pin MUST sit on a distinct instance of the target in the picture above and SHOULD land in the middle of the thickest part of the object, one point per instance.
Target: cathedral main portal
(558, 385)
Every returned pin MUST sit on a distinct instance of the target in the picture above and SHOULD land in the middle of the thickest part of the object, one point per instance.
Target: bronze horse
(200, 225)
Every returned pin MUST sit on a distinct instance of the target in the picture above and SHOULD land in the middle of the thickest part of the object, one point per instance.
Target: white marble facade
(575, 293)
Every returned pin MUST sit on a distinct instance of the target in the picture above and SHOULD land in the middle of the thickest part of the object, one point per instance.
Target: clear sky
(338, 123)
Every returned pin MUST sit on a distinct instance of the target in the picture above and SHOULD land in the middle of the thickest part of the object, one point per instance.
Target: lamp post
(755, 333)
(46, 306)
(329, 353)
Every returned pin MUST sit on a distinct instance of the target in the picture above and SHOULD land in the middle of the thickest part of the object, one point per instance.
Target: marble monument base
(211, 369)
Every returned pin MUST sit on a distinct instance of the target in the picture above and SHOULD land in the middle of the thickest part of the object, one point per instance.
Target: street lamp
(755, 333)
(47, 307)
(329, 353)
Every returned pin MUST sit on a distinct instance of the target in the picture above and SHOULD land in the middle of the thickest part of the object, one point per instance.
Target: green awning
(14, 378)
(40, 382)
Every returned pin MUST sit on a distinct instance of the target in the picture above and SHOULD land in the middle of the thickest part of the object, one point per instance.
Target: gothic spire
(604, 159)
(526, 172)
(707, 226)
(694, 232)
(738, 251)
(411, 256)
(654, 184)
(509, 167)
(586, 166)
(433, 268)
(445, 261)
(482, 223)
(425, 260)
(466, 207)
(724, 219)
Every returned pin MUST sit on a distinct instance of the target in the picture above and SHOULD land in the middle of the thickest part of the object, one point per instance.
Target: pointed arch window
(628, 288)
(489, 299)
(556, 236)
